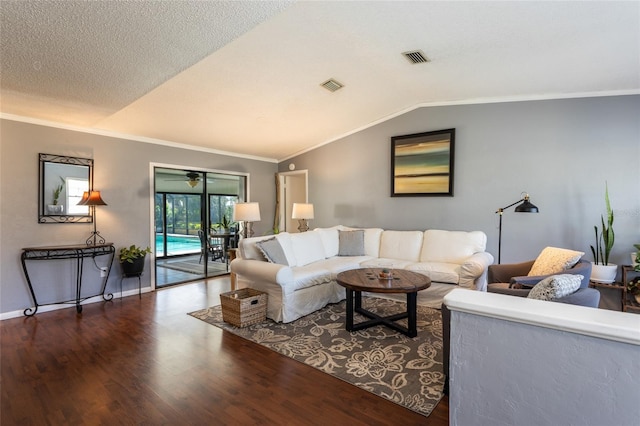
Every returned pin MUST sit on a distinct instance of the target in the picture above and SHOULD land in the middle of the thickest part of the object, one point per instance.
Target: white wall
(561, 151)
(121, 173)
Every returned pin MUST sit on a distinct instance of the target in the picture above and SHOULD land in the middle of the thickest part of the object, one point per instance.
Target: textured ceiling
(244, 77)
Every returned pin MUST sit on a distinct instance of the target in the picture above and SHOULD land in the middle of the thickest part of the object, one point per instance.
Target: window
(75, 188)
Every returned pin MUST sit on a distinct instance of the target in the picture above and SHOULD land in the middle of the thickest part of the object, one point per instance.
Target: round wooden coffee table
(356, 281)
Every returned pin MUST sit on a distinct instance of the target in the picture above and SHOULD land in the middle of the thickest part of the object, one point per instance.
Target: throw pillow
(351, 243)
(554, 260)
(555, 286)
(272, 251)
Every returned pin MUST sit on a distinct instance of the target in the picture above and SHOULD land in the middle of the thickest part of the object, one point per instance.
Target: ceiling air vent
(332, 85)
(416, 57)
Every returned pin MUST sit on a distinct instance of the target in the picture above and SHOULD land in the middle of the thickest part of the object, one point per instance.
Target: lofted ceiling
(245, 76)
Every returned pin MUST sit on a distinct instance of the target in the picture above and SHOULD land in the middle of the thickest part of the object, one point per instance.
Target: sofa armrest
(473, 271)
(257, 270)
(527, 281)
(502, 273)
(581, 268)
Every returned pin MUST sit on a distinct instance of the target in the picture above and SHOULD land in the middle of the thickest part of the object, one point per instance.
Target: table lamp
(525, 207)
(93, 199)
(247, 213)
(303, 212)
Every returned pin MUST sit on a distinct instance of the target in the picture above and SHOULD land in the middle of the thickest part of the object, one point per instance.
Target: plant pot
(133, 269)
(604, 273)
(55, 208)
(634, 259)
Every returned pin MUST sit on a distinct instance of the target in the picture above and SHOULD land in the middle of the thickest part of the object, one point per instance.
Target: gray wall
(507, 373)
(560, 151)
(121, 173)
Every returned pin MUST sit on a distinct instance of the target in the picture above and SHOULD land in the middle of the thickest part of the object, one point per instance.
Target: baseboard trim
(95, 299)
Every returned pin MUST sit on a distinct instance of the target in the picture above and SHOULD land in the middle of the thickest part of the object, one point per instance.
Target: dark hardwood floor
(144, 361)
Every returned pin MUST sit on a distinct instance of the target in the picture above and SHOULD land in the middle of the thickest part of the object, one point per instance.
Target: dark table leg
(412, 314)
(79, 267)
(29, 311)
(354, 304)
(349, 320)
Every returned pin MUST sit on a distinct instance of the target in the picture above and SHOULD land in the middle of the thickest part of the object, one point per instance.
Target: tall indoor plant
(602, 271)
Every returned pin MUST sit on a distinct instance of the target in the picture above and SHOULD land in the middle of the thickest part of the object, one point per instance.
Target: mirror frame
(43, 216)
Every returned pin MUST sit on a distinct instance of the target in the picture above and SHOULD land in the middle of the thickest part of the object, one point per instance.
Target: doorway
(192, 222)
(292, 188)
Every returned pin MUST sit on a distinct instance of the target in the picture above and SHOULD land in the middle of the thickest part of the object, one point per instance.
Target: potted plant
(224, 224)
(633, 287)
(635, 258)
(132, 260)
(54, 207)
(602, 271)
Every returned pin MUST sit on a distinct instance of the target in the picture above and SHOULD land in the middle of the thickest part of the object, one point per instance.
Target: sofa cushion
(451, 246)
(403, 245)
(438, 271)
(553, 260)
(385, 262)
(330, 242)
(343, 263)
(272, 251)
(248, 248)
(309, 276)
(371, 240)
(351, 243)
(555, 287)
(284, 238)
(307, 247)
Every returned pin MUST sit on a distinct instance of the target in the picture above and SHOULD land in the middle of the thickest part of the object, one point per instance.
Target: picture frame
(422, 164)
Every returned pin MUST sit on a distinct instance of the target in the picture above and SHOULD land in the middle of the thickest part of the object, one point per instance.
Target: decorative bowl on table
(385, 274)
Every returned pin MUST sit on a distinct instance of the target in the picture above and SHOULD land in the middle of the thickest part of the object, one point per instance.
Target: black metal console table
(78, 252)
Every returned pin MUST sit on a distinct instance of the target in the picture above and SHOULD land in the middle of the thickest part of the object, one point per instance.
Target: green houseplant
(602, 271)
(56, 193)
(635, 258)
(224, 224)
(633, 287)
(132, 259)
(54, 208)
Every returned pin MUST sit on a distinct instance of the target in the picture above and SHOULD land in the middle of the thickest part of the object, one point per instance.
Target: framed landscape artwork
(422, 164)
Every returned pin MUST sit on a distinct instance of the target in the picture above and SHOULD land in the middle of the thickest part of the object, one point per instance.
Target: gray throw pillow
(351, 243)
(555, 287)
(272, 251)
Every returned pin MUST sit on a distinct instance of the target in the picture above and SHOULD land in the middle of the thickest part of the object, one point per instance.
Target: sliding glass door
(192, 216)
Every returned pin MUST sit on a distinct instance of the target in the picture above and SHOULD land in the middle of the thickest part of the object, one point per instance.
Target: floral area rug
(404, 370)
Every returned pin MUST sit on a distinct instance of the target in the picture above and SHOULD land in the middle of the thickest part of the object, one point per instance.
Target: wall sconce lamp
(247, 213)
(525, 207)
(93, 199)
(302, 212)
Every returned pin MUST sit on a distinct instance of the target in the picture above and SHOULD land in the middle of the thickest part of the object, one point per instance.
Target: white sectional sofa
(300, 274)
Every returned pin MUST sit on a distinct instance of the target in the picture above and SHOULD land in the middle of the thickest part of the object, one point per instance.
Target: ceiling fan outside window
(194, 179)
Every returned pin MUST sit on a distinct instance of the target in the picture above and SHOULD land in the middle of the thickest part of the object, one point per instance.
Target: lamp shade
(526, 207)
(85, 197)
(246, 212)
(302, 211)
(91, 198)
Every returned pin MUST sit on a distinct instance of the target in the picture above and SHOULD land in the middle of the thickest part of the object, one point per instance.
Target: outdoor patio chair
(214, 251)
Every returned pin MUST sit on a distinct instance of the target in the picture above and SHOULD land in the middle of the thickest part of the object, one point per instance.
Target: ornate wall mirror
(62, 182)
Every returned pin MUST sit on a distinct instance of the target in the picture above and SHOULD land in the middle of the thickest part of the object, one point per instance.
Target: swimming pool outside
(177, 244)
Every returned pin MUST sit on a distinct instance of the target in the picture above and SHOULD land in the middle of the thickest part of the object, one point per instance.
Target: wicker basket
(244, 307)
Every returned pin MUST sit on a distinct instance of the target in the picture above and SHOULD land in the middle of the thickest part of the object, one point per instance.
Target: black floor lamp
(525, 207)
